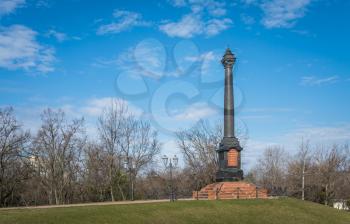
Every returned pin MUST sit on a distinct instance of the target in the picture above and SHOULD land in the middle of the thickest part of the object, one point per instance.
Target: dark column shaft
(228, 61)
(229, 103)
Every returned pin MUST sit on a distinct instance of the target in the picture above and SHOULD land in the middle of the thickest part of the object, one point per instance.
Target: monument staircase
(230, 190)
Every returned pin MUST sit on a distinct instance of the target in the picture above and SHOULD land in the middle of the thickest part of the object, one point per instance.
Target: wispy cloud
(212, 7)
(270, 109)
(318, 135)
(202, 20)
(43, 3)
(104, 62)
(247, 20)
(60, 37)
(283, 14)
(192, 25)
(189, 26)
(178, 3)
(9, 6)
(321, 134)
(196, 112)
(205, 56)
(90, 109)
(215, 26)
(125, 20)
(95, 106)
(147, 58)
(19, 49)
(249, 2)
(314, 81)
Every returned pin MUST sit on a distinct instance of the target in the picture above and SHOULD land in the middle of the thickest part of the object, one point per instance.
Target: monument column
(228, 61)
(229, 176)
(229, 152)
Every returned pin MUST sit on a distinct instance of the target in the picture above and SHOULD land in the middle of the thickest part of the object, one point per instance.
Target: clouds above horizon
(9, 6)
(192, 25)
(60, 37)
(280, 13)
(212, 7)
(195, 112)
(124, 20)
(20, 49)
(314, 81)
(206, 18)
(283, 14)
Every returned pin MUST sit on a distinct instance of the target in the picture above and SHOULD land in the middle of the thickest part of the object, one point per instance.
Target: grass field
(277, 211)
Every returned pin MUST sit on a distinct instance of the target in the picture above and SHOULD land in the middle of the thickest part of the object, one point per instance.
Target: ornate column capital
(229, 59)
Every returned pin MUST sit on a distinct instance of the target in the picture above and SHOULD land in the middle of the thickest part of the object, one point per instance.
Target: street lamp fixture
(130, 167)
(171, 164)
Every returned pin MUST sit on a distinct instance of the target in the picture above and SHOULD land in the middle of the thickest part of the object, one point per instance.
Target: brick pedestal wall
(230, 190)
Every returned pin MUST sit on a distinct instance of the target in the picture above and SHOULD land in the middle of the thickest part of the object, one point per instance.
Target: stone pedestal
(229, 155)
(230, 190)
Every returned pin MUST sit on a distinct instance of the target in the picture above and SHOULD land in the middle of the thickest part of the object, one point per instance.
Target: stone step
(230, 190)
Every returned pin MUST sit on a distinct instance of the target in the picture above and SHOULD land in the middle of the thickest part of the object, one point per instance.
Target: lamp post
(130, 167)
(170, 164)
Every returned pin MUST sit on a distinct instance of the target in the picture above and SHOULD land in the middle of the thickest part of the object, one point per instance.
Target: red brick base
(230, 190)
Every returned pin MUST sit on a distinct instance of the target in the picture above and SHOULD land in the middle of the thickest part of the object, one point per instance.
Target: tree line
(60, 164)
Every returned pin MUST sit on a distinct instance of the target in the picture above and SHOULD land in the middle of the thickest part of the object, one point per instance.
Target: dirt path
(93, 204)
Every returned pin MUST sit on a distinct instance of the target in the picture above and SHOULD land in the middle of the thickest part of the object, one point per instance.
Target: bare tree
(96, 183)
(329, 162)
(271, 170)
(13, 168)
(299, 169)
(304, 155)
(139, 145)
(57, 148)
(342, 184)
(198, 146)
(110, 132)
(126, 139)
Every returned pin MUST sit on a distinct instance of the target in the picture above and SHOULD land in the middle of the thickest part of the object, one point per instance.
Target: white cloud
(191, 25)
(90, 109)
(321, 134)
(43, 3)
(170, 148)
(104, 62)
(147, 58)
(317, 135)
(60, 37)
(269, 109)
(196, 112)
(19, 49)
(9, 6)
(205, 56)
(247, 20)
(212, 7)
(215, 26)
(203, 19)
(283, 14)
(314, 81)
(125, 20)
(95, 106)
(178, 3)
(249, 2)
(253, 150)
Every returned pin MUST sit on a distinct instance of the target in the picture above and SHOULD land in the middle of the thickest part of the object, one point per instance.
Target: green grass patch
(279, 211)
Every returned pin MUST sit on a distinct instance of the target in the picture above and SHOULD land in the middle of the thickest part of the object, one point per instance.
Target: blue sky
(292, 77)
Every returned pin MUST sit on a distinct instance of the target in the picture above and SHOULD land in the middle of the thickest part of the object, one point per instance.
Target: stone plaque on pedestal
(232, 158)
